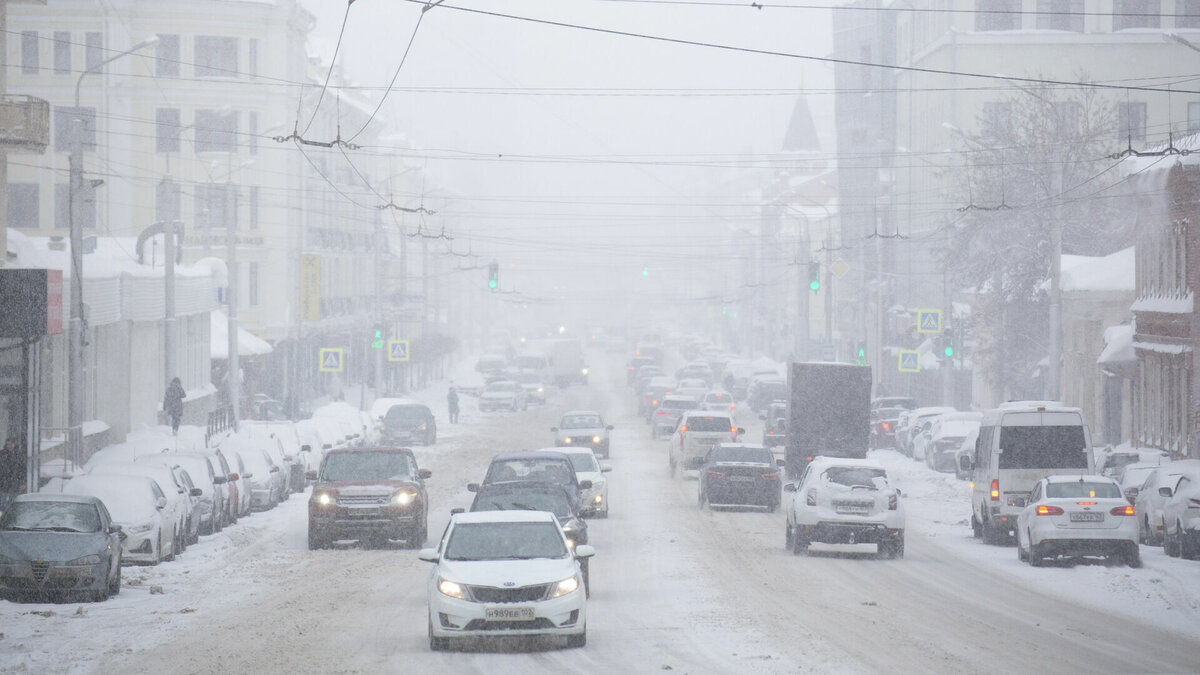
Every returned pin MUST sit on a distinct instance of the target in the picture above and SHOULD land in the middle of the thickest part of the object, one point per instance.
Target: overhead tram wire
(804, 57)
(328, 73)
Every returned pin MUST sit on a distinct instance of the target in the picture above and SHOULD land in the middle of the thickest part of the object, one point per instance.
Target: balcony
(24, 123)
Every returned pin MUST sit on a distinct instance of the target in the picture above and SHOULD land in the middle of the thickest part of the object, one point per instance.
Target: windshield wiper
(524, 507)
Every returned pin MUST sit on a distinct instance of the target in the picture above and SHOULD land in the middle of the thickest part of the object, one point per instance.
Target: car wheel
(1133, 556)
(700, 499)
(1170, 545)
(1022, 556)
(672, 461)
(976, 528)
(1187, 545)
(577, 641)
(799, 543)
(787, 536)
(316, 540)
(583, 569)
(437, 644)
(1035, 555)
(991, 533)
(114, 586)
(171, 557)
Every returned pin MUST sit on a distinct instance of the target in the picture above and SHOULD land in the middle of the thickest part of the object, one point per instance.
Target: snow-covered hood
(583, 431)
(507, 573)
(367, 489)
(56, 546)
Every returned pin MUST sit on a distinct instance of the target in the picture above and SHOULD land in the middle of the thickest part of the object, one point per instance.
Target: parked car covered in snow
(138, 505)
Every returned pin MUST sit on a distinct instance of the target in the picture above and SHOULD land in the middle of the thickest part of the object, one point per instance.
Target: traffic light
(645, 270)
(377, 338)
(494, 276)
(814, 271)
(860, 354)
(948, 343)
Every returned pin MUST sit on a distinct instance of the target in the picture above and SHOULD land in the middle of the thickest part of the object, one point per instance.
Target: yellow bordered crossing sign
(331, 360)
(910, 361)
(398, 350)
(929, 320)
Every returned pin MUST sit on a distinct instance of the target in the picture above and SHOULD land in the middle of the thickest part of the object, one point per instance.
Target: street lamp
(75, 187)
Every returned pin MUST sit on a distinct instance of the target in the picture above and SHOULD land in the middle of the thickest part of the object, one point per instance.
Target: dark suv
(368, 494)
(407, 423)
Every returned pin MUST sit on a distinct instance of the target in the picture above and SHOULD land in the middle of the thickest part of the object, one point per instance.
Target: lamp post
(75, 401)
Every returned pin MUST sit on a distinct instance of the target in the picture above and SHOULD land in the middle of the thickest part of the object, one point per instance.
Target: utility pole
(1054, 369)
(170, 228)
(233, 378)
(380, 244)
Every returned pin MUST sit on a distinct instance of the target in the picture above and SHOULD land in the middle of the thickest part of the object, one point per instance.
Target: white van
(1020, 443)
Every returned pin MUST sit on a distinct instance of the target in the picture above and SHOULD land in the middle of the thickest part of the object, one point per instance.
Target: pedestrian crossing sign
(331, 360)
(929, 320)
(397, 350)
(910, 361)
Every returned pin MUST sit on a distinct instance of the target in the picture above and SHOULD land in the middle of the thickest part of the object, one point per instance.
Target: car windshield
(405, 412)
(584, 462)
(856, 476)
(755, 455)
(709, 424)
(1083, 489)
(679, 404)
(580, 422)
(367, 466)
(1042, 447)
(505, 386)
(545, 470)
(555, 501)
(505, 541)
(51, 516)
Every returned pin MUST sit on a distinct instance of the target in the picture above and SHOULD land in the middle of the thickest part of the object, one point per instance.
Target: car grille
(540, 623)
(40, 569)
(362, 500)
(507, 595)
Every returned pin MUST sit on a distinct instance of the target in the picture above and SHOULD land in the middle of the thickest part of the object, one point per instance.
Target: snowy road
(673, 588)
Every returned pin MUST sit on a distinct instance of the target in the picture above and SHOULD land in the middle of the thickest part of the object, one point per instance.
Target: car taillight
(661, 413)
(811, 498)
(893, 502)
(1126, 510)
(771, 475)
(886, 426)
(995, 489)
(713, 473)
(682, 428)
(654, 403)
(1086, 503)
(1049, 510)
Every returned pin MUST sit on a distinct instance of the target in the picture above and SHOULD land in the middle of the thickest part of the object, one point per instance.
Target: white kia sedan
(1074, 515)
(593, 501)
(505, 573)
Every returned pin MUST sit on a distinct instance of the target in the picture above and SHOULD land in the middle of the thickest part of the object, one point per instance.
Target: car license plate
(852, 510)
(1086, 517)
(745, 479)
(508, 614)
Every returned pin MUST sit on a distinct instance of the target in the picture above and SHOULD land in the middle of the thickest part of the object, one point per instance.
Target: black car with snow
(544, 466)
(739, 474)
(409, 423)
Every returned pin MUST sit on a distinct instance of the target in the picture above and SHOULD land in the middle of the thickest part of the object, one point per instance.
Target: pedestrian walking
(12, 473)
(452, 405)
(173, 403)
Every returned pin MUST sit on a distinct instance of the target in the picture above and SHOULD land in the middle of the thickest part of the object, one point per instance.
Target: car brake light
(1126, 510)
(682, 428)
(713, 473)
(654, 403)
(661, 413)
(893, 502)
(771, 475)
(1086, 503)
(811, 498)
(1049, 510)
(995, 489)
(886, 426)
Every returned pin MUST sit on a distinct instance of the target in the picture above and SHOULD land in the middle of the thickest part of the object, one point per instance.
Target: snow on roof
(1180, 304)
(1113, 272)
(248, 343)
(113, 256)
(1160, 348)
(1118, 346)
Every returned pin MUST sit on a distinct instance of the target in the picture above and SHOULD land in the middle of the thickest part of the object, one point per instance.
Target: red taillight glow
(713, 473)
(661, 413)
(1086, 503)
(893, 502)
(995, 489)
(682, 428)
(771, 475)
(1126, 510)
(886, 426)
(1049, 510)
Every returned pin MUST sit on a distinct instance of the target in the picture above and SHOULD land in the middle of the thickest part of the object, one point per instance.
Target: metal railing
(219, 421)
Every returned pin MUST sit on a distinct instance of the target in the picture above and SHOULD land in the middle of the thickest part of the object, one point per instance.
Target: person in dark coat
(452, 405)
(173, 403)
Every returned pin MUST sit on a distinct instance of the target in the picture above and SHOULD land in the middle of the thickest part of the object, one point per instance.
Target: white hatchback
(506, 573)
(1070, 514)
(844, 501)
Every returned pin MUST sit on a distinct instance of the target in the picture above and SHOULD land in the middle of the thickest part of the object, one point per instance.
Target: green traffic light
(948, 351)
(491, 283)
(814, 285)
(645, 270)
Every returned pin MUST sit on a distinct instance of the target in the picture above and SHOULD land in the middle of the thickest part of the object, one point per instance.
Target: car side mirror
(424, 473)
(605, 468)
(274, 469)
(306, 448)
(1164, 492)
(310, 475)
(584, 551)
(585, 485)
(740, 431)
(428, 555)
(195, 492)
(554, 429)
(247, 476)
(780, 463)
(965, 463)
(762, 417)
(457, 510)
(790, 487)
(161, 503)
(220, 480)
(472, 487)
(696, 463)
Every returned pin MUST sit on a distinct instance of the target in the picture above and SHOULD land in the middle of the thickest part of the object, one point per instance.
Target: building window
(166, 56)
(1187, 13)
(93, 51)
(216, 130)
(1193, 117)
(997, 15)
(23, 206)
(166, 201)
(215, 205)
(62, 53)
(252, 132)
(253, 198)
(1131, 121)
(216, 56)
(62, 127)
(1136, 14)
(1060, 15)
(30, 57)
(252, 54)
(167, 130)
(62, 206)
(252, 284)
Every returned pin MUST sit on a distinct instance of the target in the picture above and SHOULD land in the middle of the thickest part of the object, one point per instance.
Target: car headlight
(404, 498)
(323, 498)
(447, 587)
(567, 440)
(423, 427)
(568, 585)
(541, 390)
(141, 527)
(92, 559)
(596, 439)
(583, 371)
(598, 499)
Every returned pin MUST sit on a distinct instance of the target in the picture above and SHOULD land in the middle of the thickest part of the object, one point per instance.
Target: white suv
(844, 501)
(698, 431)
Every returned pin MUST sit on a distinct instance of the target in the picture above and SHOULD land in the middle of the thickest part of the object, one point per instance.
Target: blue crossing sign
(397, 350)
(929, 320)
(331, 360)
(910, 361)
